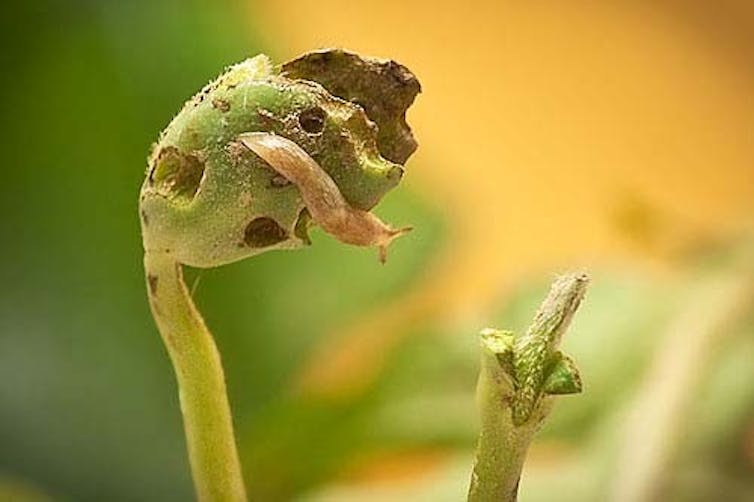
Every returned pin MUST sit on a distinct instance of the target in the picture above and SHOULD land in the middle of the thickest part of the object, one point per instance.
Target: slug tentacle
(323, 199)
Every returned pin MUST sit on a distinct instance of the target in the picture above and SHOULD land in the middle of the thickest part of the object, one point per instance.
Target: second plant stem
(502, 445)
(207, 420)
(519, 377)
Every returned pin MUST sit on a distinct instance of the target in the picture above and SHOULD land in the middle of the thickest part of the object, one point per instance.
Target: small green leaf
(564, 377)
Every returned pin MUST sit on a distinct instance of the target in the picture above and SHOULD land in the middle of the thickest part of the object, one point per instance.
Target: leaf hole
(177, 175)
(312, 120)
(263, 232)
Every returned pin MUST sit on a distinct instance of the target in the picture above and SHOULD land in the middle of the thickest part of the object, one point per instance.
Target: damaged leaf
(383, 88)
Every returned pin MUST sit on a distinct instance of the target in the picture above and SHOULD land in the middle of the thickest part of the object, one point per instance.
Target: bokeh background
(610, 136)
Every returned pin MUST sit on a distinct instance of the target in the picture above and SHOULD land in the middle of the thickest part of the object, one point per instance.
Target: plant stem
(215, 466)
(517, 379)
(502, 446)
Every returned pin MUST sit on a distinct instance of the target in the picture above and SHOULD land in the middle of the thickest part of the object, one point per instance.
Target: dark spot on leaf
(262, 232)
(144, 218)
(312, 120)
(152, 280)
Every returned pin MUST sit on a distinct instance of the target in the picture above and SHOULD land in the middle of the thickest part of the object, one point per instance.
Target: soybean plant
(247, 166)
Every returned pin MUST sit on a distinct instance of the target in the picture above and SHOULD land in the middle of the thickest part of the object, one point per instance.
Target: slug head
(208, 200)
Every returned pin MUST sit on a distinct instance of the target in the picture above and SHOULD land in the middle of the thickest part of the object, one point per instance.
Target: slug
(327, 206)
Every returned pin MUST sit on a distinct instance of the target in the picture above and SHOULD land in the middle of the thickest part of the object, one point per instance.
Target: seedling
(247, 166)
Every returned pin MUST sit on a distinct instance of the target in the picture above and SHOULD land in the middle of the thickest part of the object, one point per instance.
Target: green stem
(502, 445)
(201, 383)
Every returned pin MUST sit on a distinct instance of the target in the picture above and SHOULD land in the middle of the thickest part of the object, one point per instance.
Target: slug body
(325, 203)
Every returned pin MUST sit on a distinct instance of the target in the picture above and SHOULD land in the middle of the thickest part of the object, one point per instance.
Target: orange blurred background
(552, 134)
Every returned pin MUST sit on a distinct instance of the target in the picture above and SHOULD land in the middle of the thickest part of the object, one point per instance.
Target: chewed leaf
(384, 88)
(210, 200)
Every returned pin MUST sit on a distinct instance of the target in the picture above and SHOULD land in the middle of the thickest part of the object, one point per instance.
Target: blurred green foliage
(423, 399)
